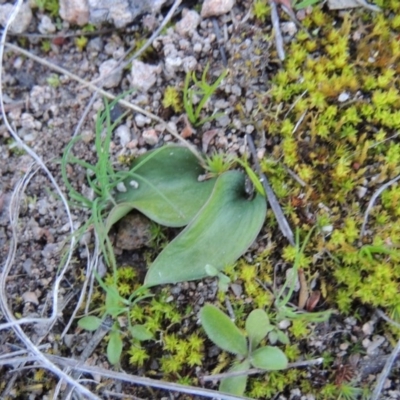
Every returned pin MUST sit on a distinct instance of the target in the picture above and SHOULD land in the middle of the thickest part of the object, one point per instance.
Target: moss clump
(172, 98)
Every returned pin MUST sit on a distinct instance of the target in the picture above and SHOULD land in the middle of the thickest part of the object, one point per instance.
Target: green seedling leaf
(282, 337)
(273, 336)
(219, 234)
(90, 323)
(113, 302)
(222, 331)
(257, 327)
(164, 186)
(269, 358)
(140, 332)
(223, 282)
(114, 347)
(235, 385)
(255, 180)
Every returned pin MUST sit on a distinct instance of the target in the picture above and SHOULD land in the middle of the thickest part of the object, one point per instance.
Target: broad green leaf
(164, 186)
(269, 358)
(257, 327)
(222, 331)
(140, 332)
(90, 323)
(114, 347)
(219, 234)
(235, 385)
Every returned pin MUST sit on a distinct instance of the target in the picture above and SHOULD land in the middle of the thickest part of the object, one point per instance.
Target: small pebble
(344, 96)
(121, 187)
(150, 137)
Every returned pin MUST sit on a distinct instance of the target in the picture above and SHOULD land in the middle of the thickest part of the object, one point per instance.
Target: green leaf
(222, 331)
(219, 234)
(164, 186)
(269, 358)
(114, 347)
(113, 302)
(257, 327)
(140, 332)
(282, 337)
(235, 385)
(90, 323)
(210, 270)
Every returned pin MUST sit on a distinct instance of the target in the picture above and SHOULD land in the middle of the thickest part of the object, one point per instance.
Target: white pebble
(121, 187)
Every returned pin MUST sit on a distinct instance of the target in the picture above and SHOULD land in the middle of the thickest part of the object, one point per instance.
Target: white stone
(344, 96)
(141, 120)
(109, 76)
(150, 136)
(368, 328)
(124, 134)
(46, 25)
(22, 19)
(213, 8)
(189, 22)
(75, 11)
(30, 297)
(121, 187)
(144, 76)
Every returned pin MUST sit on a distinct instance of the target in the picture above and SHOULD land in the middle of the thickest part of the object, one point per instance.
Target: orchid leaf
(220, 233)
(164, 186)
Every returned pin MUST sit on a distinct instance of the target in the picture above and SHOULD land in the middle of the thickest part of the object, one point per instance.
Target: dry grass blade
(273, 201)
(372, 202)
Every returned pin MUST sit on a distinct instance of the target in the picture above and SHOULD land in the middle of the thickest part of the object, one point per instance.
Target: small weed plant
(203, 91)
(226, 335)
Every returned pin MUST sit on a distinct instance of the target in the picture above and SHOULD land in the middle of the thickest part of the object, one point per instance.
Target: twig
(253, 371)
(220, 42)
(372, 201)
(273, 201)
(381, 314)
(385, 372)
(277, 30)
(139, 380)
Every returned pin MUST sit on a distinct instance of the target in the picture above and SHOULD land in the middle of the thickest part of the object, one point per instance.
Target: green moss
(172, 98)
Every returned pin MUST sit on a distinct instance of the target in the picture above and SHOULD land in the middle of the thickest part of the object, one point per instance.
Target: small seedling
(116, 307)
(54, 80)
(204, 91)
(223, 280)
(226, 335)
(286, 311)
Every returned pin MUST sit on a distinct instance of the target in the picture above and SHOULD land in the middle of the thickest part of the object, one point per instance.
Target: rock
(133, 232)
(141, 120)
(30, 297)
(214, 8)
(144, 76)
(189, 22)
(121, 12)
(150, 137)
(110, 78)
(46, 25)
(124, 134)
(75, 11)
(22, 19)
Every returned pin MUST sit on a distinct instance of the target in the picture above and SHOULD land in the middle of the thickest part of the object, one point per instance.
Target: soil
(45, 108)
